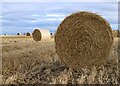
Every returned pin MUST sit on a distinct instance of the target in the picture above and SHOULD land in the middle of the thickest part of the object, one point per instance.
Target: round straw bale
(28, 34)
(40, 34)
(118, 33)
(51, 34)
(5, 34)
(83, 39)
(18, 33)
(115, 33)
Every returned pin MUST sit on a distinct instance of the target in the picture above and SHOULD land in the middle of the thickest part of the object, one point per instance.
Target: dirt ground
(27, 62)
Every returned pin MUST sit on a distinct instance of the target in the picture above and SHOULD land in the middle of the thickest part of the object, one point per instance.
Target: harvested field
(29, 62)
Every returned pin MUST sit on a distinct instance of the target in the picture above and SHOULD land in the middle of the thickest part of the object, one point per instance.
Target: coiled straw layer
(83, 39)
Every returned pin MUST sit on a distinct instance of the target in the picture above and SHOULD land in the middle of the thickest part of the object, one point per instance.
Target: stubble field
(29, 62)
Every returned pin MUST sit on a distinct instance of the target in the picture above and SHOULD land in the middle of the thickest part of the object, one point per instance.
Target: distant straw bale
(83, 39)
(40, 34)
(18, 33)
(28, 34)
(116, 33)
(51, 34)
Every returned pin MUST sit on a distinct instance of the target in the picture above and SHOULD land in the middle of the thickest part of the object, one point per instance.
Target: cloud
(54, 19)
(60, 1)
(55, 15)
(25, 16)
(115, 26)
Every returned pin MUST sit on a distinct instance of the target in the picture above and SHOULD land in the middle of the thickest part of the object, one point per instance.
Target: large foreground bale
(40, 34)
(83, 39)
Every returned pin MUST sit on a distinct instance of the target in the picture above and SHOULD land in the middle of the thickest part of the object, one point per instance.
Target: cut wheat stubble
(83, 40)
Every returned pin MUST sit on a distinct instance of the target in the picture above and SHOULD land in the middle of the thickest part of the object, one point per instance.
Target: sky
(26, 16)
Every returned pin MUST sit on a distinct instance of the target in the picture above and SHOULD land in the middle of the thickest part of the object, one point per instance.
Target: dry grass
(26, 61)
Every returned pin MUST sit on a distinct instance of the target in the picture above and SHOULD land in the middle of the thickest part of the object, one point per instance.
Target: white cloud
(114, 26)
(35, 15)
(54, 19)
(1, 16)
(55, 15)
(50, 15)
(33, 21)
(61, 1)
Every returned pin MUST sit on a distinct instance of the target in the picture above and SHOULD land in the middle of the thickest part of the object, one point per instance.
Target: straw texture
(83, 39)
